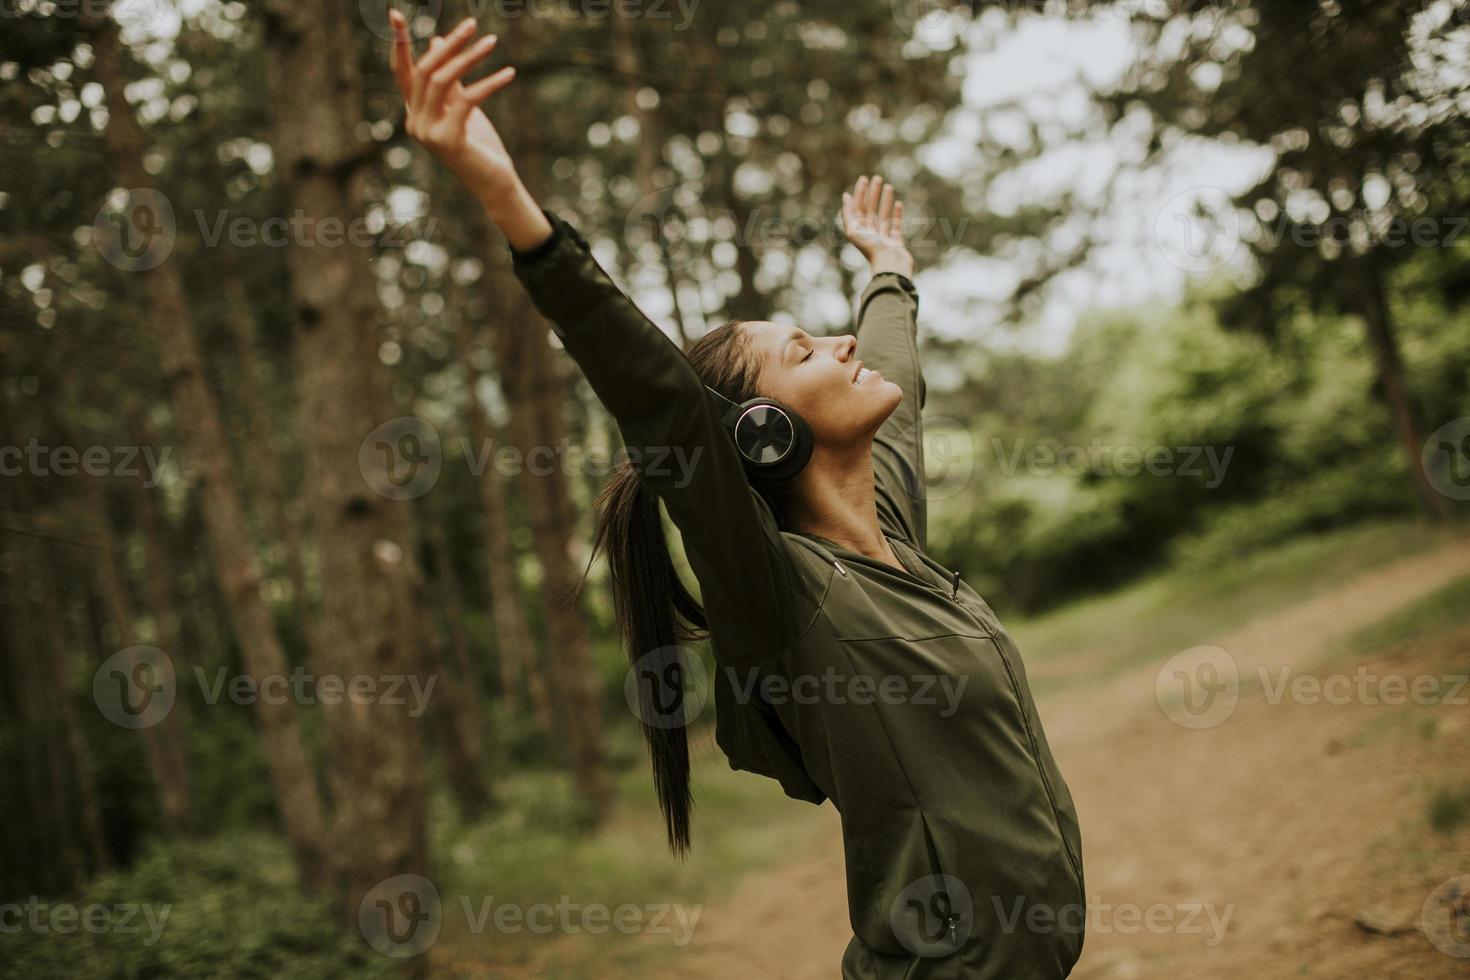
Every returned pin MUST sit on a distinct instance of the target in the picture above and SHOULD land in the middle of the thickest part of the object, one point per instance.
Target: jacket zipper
(1056, 813)
(1051, 798)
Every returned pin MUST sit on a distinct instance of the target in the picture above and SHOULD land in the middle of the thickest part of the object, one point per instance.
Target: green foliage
(1436, 613)
(223, 908)
(1450, 809)
(1267, 440)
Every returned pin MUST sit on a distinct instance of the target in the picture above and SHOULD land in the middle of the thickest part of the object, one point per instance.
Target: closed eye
(809, 353)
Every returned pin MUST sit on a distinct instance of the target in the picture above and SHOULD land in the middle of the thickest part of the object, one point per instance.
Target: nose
(846, 345)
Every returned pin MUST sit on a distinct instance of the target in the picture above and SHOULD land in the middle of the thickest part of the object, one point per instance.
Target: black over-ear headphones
(773, 441)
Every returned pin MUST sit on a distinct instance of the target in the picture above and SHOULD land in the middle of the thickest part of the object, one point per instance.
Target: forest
(296, 486)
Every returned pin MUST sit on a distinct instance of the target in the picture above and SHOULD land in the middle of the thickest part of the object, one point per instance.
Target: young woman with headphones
(851, 665)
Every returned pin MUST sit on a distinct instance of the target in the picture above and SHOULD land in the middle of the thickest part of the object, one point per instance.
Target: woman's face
(823, 380)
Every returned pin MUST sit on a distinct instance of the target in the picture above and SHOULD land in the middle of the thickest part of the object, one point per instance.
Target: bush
(222, 908)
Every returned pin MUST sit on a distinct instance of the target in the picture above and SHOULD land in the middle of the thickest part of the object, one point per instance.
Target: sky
(1150, 244)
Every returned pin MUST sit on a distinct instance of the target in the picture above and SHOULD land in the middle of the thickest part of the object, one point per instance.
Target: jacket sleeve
(673, 435)
(887, 336)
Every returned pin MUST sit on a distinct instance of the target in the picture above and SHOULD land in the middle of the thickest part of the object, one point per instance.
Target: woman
(851, 666)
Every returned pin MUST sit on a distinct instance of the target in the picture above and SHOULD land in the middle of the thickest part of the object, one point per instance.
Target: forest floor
(1297, 838)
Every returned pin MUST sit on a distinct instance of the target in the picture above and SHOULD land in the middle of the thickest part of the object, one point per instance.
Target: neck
(833, 497)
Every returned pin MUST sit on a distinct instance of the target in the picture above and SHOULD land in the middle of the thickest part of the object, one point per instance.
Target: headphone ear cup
(775, 442)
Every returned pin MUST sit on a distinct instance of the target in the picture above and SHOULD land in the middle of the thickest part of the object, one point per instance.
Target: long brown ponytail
(655, 611)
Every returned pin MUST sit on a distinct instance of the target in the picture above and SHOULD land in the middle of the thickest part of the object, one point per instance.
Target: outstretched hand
(445, 116)
(873, 221)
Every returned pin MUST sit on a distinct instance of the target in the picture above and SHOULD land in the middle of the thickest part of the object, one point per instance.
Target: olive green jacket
(896, 694)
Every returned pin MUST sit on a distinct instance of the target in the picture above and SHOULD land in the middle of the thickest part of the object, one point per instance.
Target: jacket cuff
(885, 281)
(561, 231)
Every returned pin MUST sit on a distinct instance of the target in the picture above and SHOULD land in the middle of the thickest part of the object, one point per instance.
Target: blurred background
(297, 679)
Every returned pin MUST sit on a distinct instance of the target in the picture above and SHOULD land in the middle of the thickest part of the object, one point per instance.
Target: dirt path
(1291, 819)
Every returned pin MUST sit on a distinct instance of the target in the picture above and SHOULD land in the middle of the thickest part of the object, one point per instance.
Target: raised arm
(670, 425)
(888, 341)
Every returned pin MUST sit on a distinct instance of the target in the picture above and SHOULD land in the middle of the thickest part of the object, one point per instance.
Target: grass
(1178, 609)
(527, 855)
(1450, 809)
(1432, 615)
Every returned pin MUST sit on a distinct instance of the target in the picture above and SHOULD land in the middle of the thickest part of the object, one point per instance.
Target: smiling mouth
(862, 375)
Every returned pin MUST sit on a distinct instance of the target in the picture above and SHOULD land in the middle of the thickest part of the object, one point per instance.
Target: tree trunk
(162, 742)
(198, 419)
(457, 703)
(1378, 318)
(536, 396)
(79, 758)
(362, 538)
(515, 648)
(272, 493)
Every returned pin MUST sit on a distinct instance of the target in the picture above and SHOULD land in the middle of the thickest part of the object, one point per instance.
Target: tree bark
(362, 539)
(162, 742)
(515, 648)
(536, 396)
(272, 493)
(79, 758)
(198, 419)
(1382, 338)
(457, 707)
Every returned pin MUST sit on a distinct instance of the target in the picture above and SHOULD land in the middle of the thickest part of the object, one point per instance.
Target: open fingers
(875, 188)
(442, 81)
(441, 49)
(488, 86)
(401, 56)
